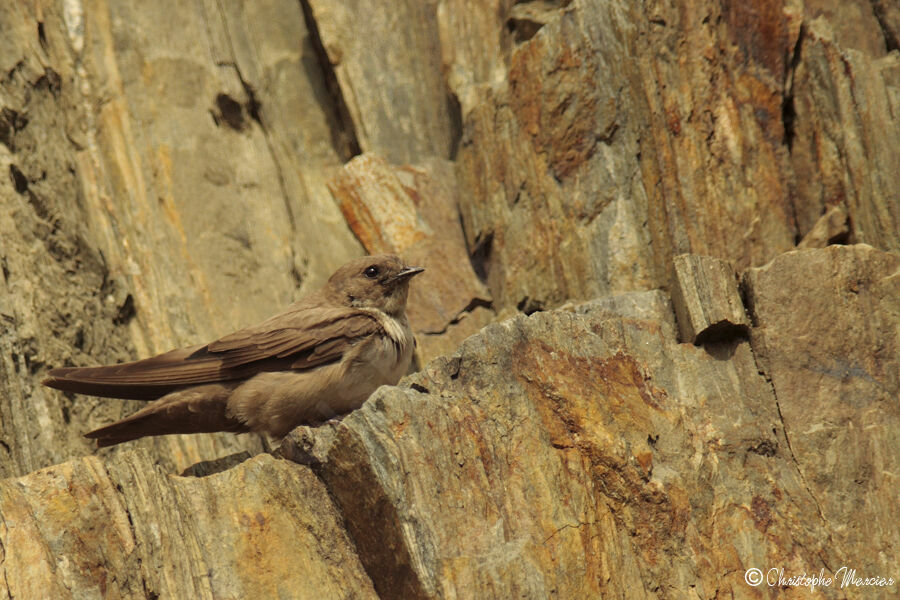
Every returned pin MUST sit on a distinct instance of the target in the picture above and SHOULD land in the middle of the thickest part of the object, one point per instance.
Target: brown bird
(321, 357)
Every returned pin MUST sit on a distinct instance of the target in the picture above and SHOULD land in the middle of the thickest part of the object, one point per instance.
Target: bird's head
(380, 281)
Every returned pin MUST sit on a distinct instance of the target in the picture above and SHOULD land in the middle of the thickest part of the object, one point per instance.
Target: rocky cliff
(659, 333)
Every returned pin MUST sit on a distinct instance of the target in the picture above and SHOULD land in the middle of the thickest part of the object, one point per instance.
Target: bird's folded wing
(316, 335)
(299, 339)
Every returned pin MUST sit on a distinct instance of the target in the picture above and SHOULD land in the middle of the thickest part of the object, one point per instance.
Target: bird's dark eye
(371, 272)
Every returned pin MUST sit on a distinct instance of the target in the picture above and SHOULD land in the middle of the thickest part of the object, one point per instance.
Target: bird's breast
(385, 357)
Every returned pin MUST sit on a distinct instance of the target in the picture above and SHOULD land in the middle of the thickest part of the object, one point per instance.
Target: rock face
(630, 383)
(837, 396)
(706, 300)
(122, 528)
(588, 454)
(150, 176)
(839, 152)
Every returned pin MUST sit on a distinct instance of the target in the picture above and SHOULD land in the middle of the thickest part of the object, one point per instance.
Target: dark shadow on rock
(723, 349)
(210, 467)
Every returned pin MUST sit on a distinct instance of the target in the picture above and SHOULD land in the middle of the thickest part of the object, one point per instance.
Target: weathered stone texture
(888, 14)
(706, 300)
(551, 186)
(572, 454)
(160, 158)
(832, 228)
(622, 136)
(844, 140)
(172, 171)
(386, 59)
(123, 529)
(713, 157)
(856, 23)
(828, 336)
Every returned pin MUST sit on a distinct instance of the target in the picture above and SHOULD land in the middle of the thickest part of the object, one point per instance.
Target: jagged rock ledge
(571, 453)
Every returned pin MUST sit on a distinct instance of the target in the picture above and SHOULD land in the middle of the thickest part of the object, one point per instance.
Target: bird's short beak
(405, 274)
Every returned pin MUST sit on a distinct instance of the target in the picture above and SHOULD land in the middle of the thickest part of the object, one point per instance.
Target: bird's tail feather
(202, 409)
(146, 379)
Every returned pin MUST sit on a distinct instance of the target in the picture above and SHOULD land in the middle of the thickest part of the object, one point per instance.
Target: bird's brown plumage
(202, 388)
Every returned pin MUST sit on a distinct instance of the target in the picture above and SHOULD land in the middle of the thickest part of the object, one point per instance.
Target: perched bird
(321, 357)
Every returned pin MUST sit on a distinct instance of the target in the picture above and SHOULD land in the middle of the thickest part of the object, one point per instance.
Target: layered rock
(159, 158)
(175, 171)
(571, 453)
(122, 528)
(847, 120)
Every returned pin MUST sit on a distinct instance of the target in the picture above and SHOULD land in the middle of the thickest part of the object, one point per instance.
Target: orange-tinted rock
(581, 453)
(264, 528)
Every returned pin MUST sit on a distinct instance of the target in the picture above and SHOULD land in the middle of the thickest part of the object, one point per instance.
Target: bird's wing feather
(296, 332)
(301, 338)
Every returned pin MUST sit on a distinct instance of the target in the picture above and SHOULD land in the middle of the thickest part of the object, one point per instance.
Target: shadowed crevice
(370, 517)
(480, 254)
(471, 306)
(454, 113)
(721, 332)
(789, 117)
(788, 112)
(343, 131)
(527, 17)
(253, 108)
(890, 37)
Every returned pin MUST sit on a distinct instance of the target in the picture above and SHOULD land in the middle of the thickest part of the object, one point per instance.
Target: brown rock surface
(123, 529)
(171, 171)
(888, 14)
(828, 337)
(844, 136)
(573, 454)
(832, 228)
(552, 199)
(855, 23)
(706, 300)
(606, 149)
(156, 164)
(386, 61)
